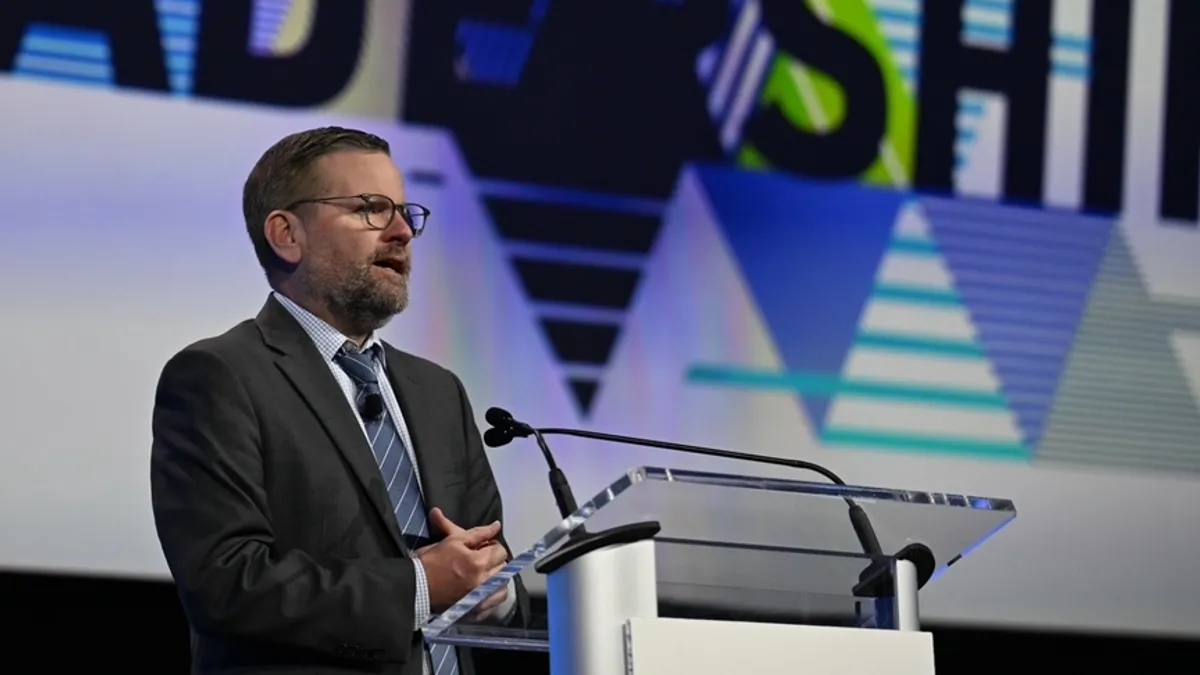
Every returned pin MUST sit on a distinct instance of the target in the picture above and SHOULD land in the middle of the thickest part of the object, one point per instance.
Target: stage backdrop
(948, 247)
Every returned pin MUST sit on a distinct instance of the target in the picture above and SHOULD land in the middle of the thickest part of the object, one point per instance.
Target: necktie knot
(360, 366)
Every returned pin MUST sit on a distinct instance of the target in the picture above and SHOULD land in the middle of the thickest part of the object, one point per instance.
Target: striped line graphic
(929, 445)
(62, 54)
(735, 70)
(900, 22)
(267, 23)
(179, 23)
(83, 57)
(916, 377)
(578, 255)
(1124, 400)
(1025, 276)
(987, 24)
(817, 385)
(744, 70)
(917, 335)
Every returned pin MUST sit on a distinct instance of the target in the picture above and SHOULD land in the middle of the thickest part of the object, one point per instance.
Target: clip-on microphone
(372, 407)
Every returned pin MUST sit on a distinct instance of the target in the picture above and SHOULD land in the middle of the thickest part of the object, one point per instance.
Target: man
(317, 492)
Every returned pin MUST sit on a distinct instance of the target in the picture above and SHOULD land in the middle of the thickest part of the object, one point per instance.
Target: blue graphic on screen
(953, 326)
(496, 53)
(179, 24)
(961, 314)
(65, 54)
(83, 57)
(809, 252)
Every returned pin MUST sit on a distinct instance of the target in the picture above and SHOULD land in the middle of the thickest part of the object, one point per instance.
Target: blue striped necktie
(399, 475)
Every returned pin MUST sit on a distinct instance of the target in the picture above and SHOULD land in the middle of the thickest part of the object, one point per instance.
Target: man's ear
(285, 235)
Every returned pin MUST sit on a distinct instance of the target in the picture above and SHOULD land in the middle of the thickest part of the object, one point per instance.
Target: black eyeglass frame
(416, 215)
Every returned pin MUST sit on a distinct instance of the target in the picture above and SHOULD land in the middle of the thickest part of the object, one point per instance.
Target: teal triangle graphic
(916, 337)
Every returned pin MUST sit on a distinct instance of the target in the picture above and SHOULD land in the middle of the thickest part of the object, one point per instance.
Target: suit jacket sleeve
(214, 524)
(484, 503)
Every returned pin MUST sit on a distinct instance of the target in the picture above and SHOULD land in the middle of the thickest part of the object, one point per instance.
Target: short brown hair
(283, 175)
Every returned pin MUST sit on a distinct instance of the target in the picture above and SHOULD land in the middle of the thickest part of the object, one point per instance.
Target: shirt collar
(328, 340)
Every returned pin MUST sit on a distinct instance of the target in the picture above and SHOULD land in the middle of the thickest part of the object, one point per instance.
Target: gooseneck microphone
(505, 428)
(876, 580)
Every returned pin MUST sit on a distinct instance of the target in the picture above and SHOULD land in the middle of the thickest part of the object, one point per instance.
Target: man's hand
(448, 527)
(460, 562)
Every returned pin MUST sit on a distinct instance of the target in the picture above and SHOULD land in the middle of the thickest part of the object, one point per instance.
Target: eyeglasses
(377, 211)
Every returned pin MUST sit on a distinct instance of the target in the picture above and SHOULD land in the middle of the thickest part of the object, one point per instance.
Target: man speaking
(317, 492)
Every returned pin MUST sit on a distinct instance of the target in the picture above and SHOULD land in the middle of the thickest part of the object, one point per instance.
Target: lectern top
(764, 545)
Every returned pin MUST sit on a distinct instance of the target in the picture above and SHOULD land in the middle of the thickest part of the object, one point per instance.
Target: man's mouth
(398, 266)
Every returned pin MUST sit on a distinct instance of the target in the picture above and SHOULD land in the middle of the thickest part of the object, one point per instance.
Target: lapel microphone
(372, 406)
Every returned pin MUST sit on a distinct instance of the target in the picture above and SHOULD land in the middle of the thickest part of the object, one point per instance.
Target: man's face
(360, 273)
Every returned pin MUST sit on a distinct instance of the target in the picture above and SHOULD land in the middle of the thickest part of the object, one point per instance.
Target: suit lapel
(304, 367)
(421, 419)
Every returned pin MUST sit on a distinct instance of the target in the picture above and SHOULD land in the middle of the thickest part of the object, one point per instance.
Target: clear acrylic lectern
(771, 548)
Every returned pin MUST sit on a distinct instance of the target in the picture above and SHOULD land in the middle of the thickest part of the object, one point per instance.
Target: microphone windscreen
(494, 438)
(372, 407)
(498, 417)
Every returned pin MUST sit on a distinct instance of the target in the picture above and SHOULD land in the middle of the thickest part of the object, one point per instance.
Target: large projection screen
(124, 242)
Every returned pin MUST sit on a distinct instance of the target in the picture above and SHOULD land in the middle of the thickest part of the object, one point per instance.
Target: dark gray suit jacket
(272, 513)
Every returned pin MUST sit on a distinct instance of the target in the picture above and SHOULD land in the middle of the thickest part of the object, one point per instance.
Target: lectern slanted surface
(752, 545)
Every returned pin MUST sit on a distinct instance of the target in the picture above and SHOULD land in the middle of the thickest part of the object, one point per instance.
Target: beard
(363, 296)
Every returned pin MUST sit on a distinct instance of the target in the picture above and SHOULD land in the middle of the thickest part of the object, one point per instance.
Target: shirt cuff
(503, 612)
(507, 608)
(421, 611)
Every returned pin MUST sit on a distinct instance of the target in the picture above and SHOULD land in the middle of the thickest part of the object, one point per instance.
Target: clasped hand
(459, 563)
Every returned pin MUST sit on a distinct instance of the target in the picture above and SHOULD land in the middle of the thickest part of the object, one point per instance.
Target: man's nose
(398, 231)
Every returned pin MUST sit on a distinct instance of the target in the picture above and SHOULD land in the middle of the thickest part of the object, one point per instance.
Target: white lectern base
(604, 621)
(589, 601)
(668, 646)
